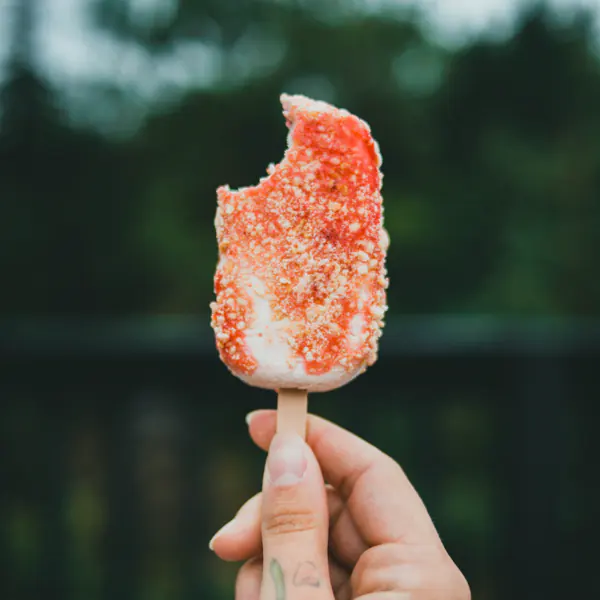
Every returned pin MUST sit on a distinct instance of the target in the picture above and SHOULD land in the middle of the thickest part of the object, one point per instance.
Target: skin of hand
(367, 535)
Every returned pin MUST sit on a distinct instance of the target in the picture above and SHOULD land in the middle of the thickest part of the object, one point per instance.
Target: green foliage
(491, 162)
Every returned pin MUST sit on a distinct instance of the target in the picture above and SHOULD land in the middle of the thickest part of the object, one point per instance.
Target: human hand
(366, 536)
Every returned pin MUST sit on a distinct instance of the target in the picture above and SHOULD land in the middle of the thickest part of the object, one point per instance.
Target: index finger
(382, 501)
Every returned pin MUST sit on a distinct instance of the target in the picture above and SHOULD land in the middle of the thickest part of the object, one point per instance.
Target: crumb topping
(312, 233)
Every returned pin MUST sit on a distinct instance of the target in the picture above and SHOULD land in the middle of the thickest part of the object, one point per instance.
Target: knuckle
(365, 571)
(375, 557)
(401, 578)
(424, 571)
(287, 521)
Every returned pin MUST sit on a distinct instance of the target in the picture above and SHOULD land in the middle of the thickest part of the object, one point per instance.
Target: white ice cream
(269, 342)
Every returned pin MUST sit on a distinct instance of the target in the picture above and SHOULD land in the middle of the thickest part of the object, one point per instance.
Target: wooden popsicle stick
(292, 411)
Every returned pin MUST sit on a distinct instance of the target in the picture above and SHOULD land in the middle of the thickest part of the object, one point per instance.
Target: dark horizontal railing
(402, 336)
(500, 406)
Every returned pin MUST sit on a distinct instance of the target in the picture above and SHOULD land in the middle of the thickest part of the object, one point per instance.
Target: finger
(391, 567)
(247, 585)
(388, 596)
(423, 571)
(345, 541)
(250, 576)
(249, 579)
(295, 524)
(241, 538)
(383, 503)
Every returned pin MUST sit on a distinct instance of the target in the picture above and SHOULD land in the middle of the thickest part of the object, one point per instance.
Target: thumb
(295, 524)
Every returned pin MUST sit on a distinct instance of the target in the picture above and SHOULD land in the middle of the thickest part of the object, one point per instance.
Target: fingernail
(250, 416)
(286, 463)
(225, 529)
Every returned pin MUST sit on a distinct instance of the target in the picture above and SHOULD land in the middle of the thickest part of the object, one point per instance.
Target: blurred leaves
(491, 162)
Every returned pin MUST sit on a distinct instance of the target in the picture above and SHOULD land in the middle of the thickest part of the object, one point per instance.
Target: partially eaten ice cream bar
(301, 279)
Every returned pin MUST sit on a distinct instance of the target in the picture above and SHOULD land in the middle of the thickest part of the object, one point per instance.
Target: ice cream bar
(300, 284)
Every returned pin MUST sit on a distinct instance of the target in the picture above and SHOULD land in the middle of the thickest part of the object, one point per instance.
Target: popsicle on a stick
(301, 279)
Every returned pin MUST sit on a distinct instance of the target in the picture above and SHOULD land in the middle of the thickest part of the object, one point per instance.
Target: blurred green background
(123, 441)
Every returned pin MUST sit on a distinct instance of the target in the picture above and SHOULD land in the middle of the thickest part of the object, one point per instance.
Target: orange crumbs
(231, 314)
(312, 233)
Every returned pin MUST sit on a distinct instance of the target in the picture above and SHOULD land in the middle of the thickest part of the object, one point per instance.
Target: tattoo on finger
(278, 579)
(307, 575)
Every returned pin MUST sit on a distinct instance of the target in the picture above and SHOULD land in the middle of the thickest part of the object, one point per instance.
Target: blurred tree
(519, 127)
(67, 203)
(491, 159)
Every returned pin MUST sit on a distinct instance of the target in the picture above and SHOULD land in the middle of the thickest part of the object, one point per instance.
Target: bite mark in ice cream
(301, 278)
